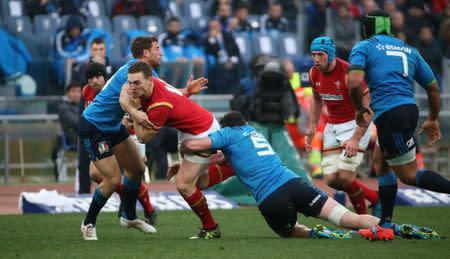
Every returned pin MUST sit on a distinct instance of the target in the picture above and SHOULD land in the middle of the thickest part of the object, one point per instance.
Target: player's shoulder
(342, 63)
(86, 89)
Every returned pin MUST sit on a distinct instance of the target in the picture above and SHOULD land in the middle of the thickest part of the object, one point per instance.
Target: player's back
(186, 115)
(105, 112)
(390, 66)
(254, 161)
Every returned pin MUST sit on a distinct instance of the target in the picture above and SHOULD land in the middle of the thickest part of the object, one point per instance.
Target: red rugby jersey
(332, 87)
(168, 106)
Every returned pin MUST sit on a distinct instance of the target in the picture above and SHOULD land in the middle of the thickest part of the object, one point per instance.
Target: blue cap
(326, 45)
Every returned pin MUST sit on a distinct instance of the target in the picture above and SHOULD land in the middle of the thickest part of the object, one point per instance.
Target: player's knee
(349, 163)
(332, 180)
(183, 187)
(330, 163)
(407, 178)
(115, 181)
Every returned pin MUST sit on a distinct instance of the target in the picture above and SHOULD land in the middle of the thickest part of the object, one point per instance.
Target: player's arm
(194, 86)
(352, 145)
(195, 145)
(354, 84)
(314, 113)
(145, 134)
(134, 108)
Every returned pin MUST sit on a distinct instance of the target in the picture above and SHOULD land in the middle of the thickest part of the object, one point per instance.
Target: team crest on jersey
(103, 147)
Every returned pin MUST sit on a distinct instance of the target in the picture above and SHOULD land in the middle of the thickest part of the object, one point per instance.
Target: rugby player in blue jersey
(110, 146)
(389, 67)
(279, 192)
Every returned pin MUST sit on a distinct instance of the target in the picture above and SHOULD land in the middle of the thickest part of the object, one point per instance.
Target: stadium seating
(96, 8)
(123, 23)
(244, 45)
(44, 26)
(151, 24)
(116, 56)
(289, 45)
(12, 8)
(19, 25)
(264, 44)
(199, 24)
(109, 4)
(101, 22)
(194, 9)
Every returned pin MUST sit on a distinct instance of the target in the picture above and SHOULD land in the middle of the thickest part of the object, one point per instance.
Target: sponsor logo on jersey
(410, 142)
(332, 97)
(314, 200)
(392, 47)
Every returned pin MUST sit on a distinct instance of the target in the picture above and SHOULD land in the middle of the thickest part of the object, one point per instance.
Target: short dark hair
(73, 85)
(232, 119)
(97, 41)
(95, 69)
(141, 43)
(140, 66)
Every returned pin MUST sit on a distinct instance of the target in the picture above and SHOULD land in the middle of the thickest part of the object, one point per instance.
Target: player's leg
(186, 185)
(143, 197)
(95, 174)
(129, 159)
(405, 165)
(280, 209)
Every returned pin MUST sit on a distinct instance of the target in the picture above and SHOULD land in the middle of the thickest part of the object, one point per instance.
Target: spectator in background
(153, 7)
(70, 45)
(445, 15)
(345, 31)
(316, 18)
(353, 9)
(35, 7)
(416, 19)
(444, 35)
(74, 7)
(290, 11)
(69, 113)
(273, 21)
(97, 53)
(224, 16)
(389, 6)
(397, 22)
(129, 7)
(430, 50)
(223, 59)
(172, 42)
(240, 22)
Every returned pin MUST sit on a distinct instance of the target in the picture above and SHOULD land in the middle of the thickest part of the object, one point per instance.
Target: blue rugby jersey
(253, 160)
(390, 66)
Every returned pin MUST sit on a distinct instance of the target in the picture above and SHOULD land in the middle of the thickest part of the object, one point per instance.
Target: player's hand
(196, 86)
(141, 118)
(309, 135)
(431, 127)
(363, 116)
(217, 158)
(127, 121)
(172, 171)
(351, 147)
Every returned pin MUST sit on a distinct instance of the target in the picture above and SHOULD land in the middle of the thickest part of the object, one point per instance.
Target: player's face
(97, 83)
(320, 60)
(138, 84)
(154, 55)
(98, 50)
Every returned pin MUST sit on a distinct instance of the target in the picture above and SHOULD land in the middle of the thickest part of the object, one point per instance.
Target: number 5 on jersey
(262, 146)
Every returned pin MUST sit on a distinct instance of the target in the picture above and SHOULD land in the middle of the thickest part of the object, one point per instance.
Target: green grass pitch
(244, 235)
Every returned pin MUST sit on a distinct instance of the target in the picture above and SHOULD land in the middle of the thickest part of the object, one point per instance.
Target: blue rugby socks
(98, 201)
(432, 181)
(130, 195)
(387, 192)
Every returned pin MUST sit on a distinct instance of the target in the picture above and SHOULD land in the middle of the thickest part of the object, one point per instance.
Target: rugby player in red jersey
(343, 142)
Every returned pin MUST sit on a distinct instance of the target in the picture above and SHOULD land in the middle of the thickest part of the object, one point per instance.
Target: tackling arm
(195, 145)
